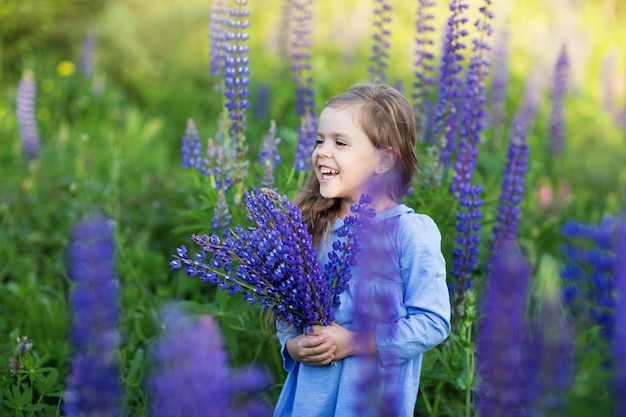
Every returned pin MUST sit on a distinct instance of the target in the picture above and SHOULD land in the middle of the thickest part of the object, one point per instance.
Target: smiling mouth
(328, 173)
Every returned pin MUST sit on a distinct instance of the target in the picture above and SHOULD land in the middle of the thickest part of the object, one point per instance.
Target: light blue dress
(398, 289)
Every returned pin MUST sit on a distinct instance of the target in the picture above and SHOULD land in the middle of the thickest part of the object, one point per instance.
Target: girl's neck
(379, 204)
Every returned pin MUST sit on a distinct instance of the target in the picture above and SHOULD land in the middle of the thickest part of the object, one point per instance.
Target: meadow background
(111, 130)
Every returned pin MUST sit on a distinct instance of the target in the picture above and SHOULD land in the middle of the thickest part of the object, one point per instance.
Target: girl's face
(344, 158)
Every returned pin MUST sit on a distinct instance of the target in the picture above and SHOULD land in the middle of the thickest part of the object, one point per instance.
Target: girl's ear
(386, 160)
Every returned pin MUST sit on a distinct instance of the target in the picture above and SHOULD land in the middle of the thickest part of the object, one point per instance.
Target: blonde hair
(387, 118)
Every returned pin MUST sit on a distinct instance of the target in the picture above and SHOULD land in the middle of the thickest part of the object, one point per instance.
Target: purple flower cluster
(381, 45)
(450, 83)
(513, 186)
(269, 156)
(301, 17)
(619, 336)
(423, 60)
(26, 115)
(93, 383)
(191, 374)
(191, 148)
(221, 213)
(559, 89)
(272, 262)
(588, 288)
(499, 82)
(465, 254)
(87, 53)
(218, 24)
(500, 338)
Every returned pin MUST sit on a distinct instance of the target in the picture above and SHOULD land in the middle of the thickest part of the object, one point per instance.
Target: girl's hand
(311, 349)
(348, 343)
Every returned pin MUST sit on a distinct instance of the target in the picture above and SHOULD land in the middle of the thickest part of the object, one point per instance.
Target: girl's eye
(341, 143)
(319, 141)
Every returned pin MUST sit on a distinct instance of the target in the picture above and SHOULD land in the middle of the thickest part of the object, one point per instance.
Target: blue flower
(26, 115)
(501, 329)
(381, 45)
(424, 66)
(559, 89)
(619, 336)
(191, 374)
(269, 156)
(273, 261)
(93, 383)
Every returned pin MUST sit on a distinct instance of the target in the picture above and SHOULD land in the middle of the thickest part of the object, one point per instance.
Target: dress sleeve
(426, 297)
(285, 331)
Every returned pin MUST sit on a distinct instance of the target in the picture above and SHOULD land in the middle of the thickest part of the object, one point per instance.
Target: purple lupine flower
(261, 104)
(381, 44)
(423, 62)
(450, 84)
(548, 360)
(301, 16)
(346, 247)
(191, 374)
(269, 156)
(221, 214)
(23, 346)
(237, 81)
(218, 26)
(26, 115)
(275, 261)
(93, 387)
(87, 53)
(465, 254)
(307, 132)
(191, 148)
(588, 277)
(559, 90)
(513, 185)
(499, 83)
(619, 336)
(500, 338)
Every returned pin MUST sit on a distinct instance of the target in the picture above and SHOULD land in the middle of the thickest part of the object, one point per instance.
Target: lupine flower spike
(619, 337)
(499, 83)
(468, 193)
(381, 45)
(26, 115)
(87, 53)
(218, 25)
(588, 277)
(274, 261)
(93, 383)
(557, 117)
(500, 338)
(269, 156)
(236, 84)
(424, 67)
(449, 87)
(513, 186)
(191, 376)
(301, 15)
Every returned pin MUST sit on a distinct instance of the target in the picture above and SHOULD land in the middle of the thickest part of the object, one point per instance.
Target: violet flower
(499, 83)
(381, 44)
(221, 214)
(450, 83)
(191, 148)
(301, 16)
(93, 383)
(588, 277)
(269, 156)
(87, 53)
(513, 186)
(424, 58)
(237, 81)
(559, 90)
(218, 26)
(26, 115)
(500, 338)
(191, 375)
(273, 261)
(619, 336)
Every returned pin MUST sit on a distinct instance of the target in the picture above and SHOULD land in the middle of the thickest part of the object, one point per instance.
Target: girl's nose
(323, 150)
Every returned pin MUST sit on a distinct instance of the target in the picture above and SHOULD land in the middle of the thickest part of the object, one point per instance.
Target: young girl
(366, 144)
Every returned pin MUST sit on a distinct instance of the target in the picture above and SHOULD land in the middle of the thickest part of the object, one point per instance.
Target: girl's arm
(426, 296)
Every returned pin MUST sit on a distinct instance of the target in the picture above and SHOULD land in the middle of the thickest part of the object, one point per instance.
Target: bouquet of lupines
(274, 262)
